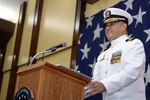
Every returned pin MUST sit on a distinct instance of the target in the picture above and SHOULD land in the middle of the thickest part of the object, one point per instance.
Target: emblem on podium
(24, 94)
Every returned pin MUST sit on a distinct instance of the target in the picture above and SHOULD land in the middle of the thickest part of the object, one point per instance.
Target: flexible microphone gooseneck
(51, 49)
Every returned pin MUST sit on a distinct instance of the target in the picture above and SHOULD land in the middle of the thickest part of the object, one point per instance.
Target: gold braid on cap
(114, 19)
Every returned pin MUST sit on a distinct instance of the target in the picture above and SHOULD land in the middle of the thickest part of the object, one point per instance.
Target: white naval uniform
(121, 69)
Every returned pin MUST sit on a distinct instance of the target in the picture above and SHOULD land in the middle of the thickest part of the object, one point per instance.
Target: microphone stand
(42, 52)
(52, 49)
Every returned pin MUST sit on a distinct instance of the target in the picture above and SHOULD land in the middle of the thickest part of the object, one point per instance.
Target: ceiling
(9, 9)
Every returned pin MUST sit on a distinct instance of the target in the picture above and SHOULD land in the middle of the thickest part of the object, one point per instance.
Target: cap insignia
(107, 13)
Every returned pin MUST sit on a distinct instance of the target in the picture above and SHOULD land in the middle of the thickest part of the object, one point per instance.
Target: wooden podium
(50, 82)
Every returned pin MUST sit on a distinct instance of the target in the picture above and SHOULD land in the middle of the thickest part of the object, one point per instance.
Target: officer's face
(114, 30)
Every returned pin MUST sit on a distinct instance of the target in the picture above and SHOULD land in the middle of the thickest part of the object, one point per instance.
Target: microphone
(62, 44)
(52, 49)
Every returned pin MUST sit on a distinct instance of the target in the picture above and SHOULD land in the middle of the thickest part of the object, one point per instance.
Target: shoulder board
(108, 46)
(104, 50)
(130, 39)
(101, 52)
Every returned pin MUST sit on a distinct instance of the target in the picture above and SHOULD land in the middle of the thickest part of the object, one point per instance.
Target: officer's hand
(94, 87)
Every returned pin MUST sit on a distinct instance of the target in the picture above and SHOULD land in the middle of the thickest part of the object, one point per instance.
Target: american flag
(92, 39)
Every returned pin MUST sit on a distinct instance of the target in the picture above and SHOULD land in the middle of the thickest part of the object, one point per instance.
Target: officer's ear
(124, 26)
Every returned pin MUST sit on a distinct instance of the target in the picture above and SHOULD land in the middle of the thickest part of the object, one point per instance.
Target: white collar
(119, 40)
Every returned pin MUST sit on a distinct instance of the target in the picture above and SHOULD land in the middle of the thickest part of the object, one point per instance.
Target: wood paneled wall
(14, 68)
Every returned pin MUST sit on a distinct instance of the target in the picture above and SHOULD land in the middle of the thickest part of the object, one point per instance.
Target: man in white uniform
(119, 71)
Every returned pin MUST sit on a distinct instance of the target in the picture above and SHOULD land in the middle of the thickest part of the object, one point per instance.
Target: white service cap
(117, 14)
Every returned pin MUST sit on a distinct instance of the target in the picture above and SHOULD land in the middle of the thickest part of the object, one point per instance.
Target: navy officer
(119, 70)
